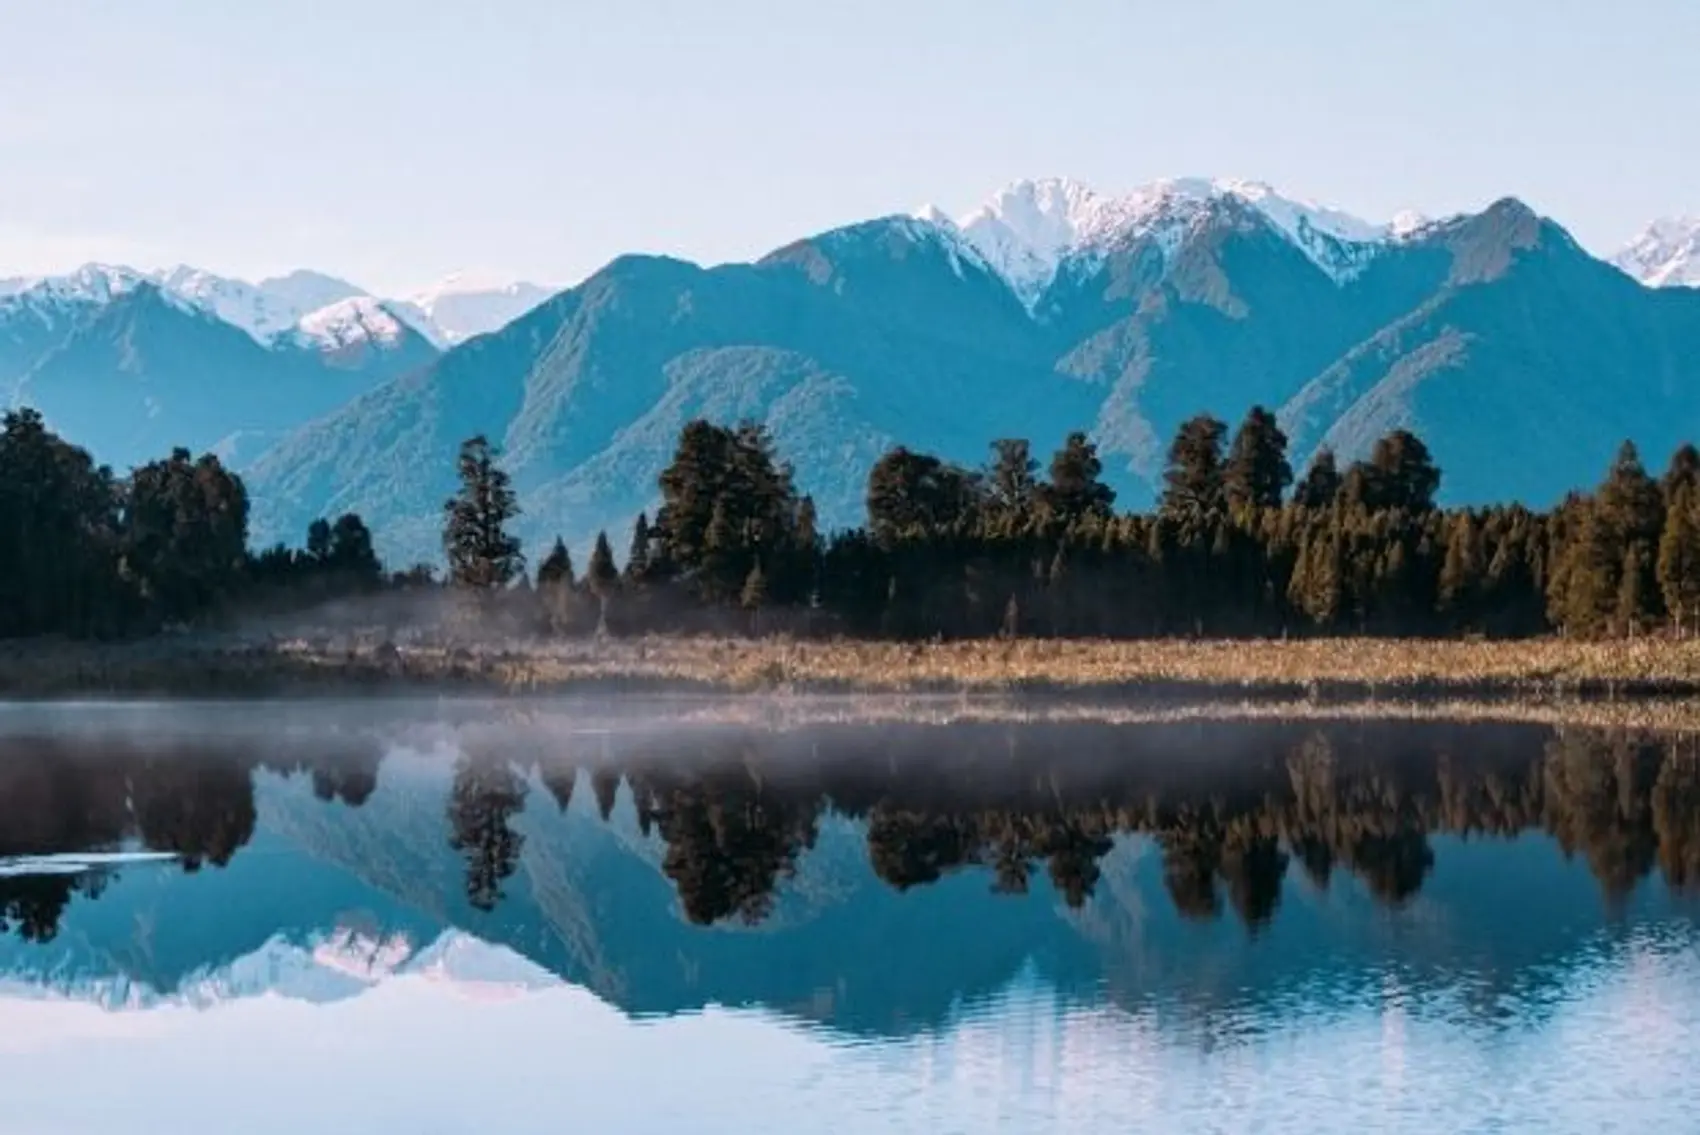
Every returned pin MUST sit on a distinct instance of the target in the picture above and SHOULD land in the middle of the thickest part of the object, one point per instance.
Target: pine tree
(1461, 572)
(482, 554)
(1679, 558)
(637, 558)
(1683, 472)
(1257, 473)
(602, 578)
(1075, 491)
(1193, 480)
(1634, 595)
(557, 567)
(555, 585)
(1321, 483)
(1402, 474)
(1013, 482)
(1591, 575)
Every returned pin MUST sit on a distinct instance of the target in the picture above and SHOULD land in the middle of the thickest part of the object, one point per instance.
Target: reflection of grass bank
(1323, 671)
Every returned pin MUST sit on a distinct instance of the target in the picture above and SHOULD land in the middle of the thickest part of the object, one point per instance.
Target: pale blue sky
(395, 141)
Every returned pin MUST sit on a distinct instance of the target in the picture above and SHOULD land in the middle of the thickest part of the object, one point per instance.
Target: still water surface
(236, 920)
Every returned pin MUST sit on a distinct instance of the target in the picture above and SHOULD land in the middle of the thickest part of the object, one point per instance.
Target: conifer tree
(1193, 480)
(555, 585)
(1634, 601)
(1013, 482)
(482, 554)
(1683, 472)
(1257, 473)
(602, 578)
(1321, 482)
(1461, 572)
(637, 557)
(1679, 558)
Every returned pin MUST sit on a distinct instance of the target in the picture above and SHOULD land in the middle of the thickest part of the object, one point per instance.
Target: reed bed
(1171, 671)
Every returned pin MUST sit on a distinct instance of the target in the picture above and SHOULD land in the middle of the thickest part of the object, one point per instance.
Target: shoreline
(1135, 674)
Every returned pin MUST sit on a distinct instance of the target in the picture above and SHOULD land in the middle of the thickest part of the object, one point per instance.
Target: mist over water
(662, 915)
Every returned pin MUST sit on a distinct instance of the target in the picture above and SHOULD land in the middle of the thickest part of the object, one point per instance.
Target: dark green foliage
(1193, 483)
(1075, 491)
(915, 496)
(1012, 482)
(482, 554)
(946, 552)
(1679, 557)
(1257, 473)
(1321, 483)
(726, 502)
(185, 534)
(602, 577)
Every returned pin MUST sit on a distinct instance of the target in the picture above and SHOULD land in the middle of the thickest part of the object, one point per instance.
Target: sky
(395, 141)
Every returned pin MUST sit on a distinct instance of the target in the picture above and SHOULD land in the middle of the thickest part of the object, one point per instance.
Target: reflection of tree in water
(1600, 804)
(729, 841)
(32, 905)
(483, 799)
(201, 810)
(66, 795)
(737, 813)
(1360, 798)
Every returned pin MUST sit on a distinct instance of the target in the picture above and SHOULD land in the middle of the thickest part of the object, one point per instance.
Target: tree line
(1250, 806)
(1236, 545)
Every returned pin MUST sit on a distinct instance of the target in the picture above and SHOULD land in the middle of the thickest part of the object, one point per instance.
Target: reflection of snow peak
(336, 966)
(78, 864)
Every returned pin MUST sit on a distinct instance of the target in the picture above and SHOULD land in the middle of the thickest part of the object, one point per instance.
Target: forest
(736, 812)
(1236, 546)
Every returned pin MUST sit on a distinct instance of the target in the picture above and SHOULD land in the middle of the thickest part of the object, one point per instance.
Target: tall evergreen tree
(482, 554)
(1679, 557)
(1401, 474)
(1075, 490)
(1683, 471)
(1257, 473)
(1321, 482)
(186, 533)
(638, 564)
(1461, 575)
(1193, 481)
(601, 575)
(1013, 482)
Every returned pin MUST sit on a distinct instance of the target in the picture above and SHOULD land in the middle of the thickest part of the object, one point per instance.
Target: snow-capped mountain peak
(300, 307)
(465, 304)
(92, 283)
(351, 322)
(1027, 229)
(1665, 254)
(265, 310)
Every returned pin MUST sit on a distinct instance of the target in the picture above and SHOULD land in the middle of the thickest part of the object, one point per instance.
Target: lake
(443, 918)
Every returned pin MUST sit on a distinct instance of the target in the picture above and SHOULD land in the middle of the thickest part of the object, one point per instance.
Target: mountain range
(1522, 359)
(131, 363)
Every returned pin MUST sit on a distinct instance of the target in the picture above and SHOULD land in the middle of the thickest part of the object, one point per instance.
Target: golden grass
(1331, 670)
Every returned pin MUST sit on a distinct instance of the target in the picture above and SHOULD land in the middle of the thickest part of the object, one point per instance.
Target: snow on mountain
(467, 304)
(1665, 254)
(45, 297)
(330, 967)
(350, 322)
(301, 306)
(264, 310)
(1028, 228)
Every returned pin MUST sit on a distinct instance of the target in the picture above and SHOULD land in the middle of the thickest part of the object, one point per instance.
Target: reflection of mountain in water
(873, 879)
